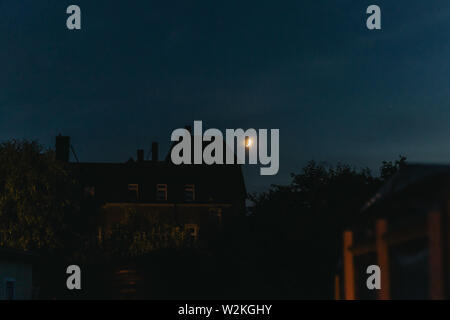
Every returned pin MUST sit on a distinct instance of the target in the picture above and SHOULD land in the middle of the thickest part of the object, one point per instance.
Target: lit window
(191, 230)
(161, 192)
(189, 192)
(133, 189)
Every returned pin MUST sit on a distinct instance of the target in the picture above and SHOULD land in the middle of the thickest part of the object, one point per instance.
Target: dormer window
(133, 189)
(161, 192)
(189, 192)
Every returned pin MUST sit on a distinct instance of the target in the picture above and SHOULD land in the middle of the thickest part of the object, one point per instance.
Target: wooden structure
(403, 230)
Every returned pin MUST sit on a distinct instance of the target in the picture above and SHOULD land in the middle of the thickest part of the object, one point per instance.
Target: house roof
(219, 182)
(408, 175)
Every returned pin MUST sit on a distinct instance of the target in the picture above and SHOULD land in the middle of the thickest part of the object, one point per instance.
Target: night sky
(140, 69)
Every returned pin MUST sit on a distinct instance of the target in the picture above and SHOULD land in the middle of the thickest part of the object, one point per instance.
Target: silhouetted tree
(389, 168)
(38, 198)
(298, 227)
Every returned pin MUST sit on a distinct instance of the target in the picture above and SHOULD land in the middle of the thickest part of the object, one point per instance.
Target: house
(16, 275)
(404, 229)
(191, 196)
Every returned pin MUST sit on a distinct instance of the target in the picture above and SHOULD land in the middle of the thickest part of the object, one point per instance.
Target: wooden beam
(349, 270)
(436, 260)
(382, 258)
(392, 238)
(337, 287)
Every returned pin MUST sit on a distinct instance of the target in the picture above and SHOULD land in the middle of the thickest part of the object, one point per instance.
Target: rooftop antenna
(74, 153)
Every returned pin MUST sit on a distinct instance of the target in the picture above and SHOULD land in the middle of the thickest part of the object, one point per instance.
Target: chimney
(140, 155)
(62, 146)
(154, 151)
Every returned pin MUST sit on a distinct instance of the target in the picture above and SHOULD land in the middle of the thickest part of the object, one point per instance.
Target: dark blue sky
(139, 69)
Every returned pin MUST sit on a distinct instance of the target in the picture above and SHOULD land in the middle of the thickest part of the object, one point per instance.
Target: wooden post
(436, 259)
(446, 234)
(349, 270)
(337, 287)
(382, 258)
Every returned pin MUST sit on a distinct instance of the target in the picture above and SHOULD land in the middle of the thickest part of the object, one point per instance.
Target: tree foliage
(37, 197)
(297, 228)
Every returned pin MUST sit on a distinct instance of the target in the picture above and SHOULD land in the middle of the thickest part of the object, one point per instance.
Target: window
(100, 235)
(133, 190)
(161, 192)
(191, 230)
(189, 192)
(9, 289)
(89, 192)
(216, 214)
